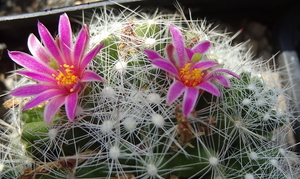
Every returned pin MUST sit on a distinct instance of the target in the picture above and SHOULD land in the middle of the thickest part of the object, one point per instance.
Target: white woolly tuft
(121, 66)
(150, 42)
(151, 170)
(274, 162)
(108, 92)
(213, 161)
(114, 152)
(153, 98)
(107, 127)
(246, 102)
(130, 124)
(158, 120)
(253, 155)
(52, 134)
(249, 176)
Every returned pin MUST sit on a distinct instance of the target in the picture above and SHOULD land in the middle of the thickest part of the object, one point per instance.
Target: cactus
(129, 123)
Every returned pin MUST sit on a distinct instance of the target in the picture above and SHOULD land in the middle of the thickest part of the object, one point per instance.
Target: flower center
(67, 77)
(190, 77)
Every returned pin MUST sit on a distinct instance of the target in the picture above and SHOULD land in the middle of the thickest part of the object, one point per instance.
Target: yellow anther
(191, 77)
(66, 77)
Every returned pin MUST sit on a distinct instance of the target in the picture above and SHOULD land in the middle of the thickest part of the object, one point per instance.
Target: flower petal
(90, 76)
(90, 56)
(152, 55)
(37, 49)
(30, 90)
(221, 71)
(65, 36)
(175, 90)
(179, 45)
(42, 97)
(80, 45)
(209, 87)
(165, 65)
(49, 43)
(71, 104)
(189, 100)
(38, 76)
(222, 79)
(172, 56)
(205, 64)
(52, 107)
(189, 53)
(30, 63)
(201, 47)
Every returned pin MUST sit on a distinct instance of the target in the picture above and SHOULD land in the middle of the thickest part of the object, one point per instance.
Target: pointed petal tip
(89, 76)
(64, 15)
(172, 27)
(202, 47)
(151, 54)
(40, 25)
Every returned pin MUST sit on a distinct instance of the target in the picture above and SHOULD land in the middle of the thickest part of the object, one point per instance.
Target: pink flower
(59, 68)
(191, 74)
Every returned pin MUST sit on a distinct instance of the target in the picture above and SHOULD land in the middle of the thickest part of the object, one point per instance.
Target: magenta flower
(59, 68)
(191, 74)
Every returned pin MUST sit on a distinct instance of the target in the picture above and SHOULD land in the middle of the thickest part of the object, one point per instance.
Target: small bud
(196, 57)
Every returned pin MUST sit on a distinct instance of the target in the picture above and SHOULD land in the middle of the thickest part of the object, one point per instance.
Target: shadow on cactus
(158, 101)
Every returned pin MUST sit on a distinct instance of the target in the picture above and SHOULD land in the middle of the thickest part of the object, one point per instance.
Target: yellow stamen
(66, 77)
(191, 77)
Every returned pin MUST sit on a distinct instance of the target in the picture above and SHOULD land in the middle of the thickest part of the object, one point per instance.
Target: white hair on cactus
(121, 66)
(251, 87)
(218, 177)
(114, 152)
(249, 176)
(266, 116)
(152, 170)
(260, 101)
(153, 98)
(130, 124)
(274, 162)
(107, 126)
(246, 101)
(253, 155)
(150, 42)
(158, 120)
(282, 151)
(1, 167)
(52, 133)
(214, 161)
(108, 92)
